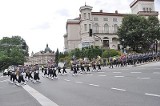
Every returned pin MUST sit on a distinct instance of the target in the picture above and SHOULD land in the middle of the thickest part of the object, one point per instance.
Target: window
(114, 19)
(147, 9)
(105, 19)
(96, 28)
(89, 26)
(84, 15)
(95, 19)
(85, 27)
(150, 9)
(89, 16)
(144, 9)
(115, 28)
(106, 28)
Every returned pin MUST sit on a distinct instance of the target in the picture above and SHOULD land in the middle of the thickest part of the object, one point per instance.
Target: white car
(5, 72)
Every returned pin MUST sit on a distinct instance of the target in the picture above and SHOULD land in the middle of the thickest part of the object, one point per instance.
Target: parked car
(5, 72)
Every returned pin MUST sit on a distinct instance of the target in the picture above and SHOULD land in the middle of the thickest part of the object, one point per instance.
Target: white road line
(118, 89)
(94, 85)
(149, 94)
(157, 68)
(119, 76)
(5, 80)
(143, 78)
(117, 72)
(66, 80)
(156, 72)
(136, 72)
(123, 69)
(102, 75)
(78, 82)
(100, 72)
(44, 101)
(89, 74)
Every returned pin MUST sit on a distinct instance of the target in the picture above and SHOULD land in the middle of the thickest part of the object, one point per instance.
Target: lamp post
(101, 42)
(122, 45)
(156, 45)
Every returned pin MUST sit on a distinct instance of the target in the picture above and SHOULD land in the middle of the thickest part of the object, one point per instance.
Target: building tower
(86, 25)
(143, 8)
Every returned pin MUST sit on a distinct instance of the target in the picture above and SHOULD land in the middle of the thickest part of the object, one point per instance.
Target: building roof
(47, 49)
(109, 14)
(136, 1)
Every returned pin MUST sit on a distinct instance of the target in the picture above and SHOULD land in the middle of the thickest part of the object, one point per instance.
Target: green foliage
(11, 51)
(57, 56)
(139, 32)
(90, 52)
(110, 53)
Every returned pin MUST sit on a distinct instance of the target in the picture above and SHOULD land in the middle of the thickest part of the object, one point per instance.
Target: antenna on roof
(85, 3)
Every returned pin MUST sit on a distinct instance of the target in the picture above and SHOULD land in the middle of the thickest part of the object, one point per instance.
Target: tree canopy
(12, 51)
(139, 32)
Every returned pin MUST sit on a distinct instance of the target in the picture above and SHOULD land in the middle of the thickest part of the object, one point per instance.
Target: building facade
(104, 26)
(42, 57)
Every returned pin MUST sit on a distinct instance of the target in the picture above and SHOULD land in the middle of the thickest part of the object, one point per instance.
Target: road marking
(149, 94)
(101, 75)
(117, 72)
(5, 80)
(100, 72)
(44, 101)
(136, 72)
(3, 76)
(118, 89)
(119, 76)
(79, 82)
(143, 78)
(89, 74)
(123, 69)
(66, 80)
(157, 68)
(94, 85)
(156, 72)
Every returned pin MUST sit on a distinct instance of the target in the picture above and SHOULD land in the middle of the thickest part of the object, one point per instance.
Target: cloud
(42, 26)
(112, 5)
(63, 12)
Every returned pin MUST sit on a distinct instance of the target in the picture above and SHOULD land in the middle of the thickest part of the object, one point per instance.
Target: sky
(41, 22)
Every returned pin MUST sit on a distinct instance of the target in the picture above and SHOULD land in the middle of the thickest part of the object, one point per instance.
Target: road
(125, 86)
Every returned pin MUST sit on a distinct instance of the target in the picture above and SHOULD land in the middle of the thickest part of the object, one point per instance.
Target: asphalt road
(126, 86)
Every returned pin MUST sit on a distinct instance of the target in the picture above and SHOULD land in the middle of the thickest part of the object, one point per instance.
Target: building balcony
(148, 13)
(104, 32)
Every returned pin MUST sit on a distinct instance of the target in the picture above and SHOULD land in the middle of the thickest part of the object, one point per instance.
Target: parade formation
(23, 73)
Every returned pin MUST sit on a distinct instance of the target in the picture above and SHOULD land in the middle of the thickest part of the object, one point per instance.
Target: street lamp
(123, 45)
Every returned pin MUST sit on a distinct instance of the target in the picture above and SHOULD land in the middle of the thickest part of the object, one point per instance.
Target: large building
(104, 26)
(41, 57)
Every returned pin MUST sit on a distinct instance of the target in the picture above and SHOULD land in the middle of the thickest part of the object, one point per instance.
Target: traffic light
(90, 32)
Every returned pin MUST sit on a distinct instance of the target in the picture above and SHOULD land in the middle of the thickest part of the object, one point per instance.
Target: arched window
(115, 28)
(106, 28)
(96, 28)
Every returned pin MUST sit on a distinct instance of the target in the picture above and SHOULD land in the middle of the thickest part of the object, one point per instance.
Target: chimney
(101, 11)
(116, 12)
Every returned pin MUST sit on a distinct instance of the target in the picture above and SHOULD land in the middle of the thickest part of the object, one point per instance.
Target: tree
(57, 56)
(138, 32)
(12, 51)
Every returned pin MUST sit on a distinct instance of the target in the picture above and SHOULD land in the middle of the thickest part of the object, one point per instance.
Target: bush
(110, 53)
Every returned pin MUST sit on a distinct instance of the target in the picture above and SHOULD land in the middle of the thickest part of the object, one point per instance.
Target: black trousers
(64, 70)
(54, 73)
(13, 77)
(21, 79)
(36, 76)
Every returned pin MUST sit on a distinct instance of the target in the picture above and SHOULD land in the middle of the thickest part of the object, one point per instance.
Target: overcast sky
(41, 22)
